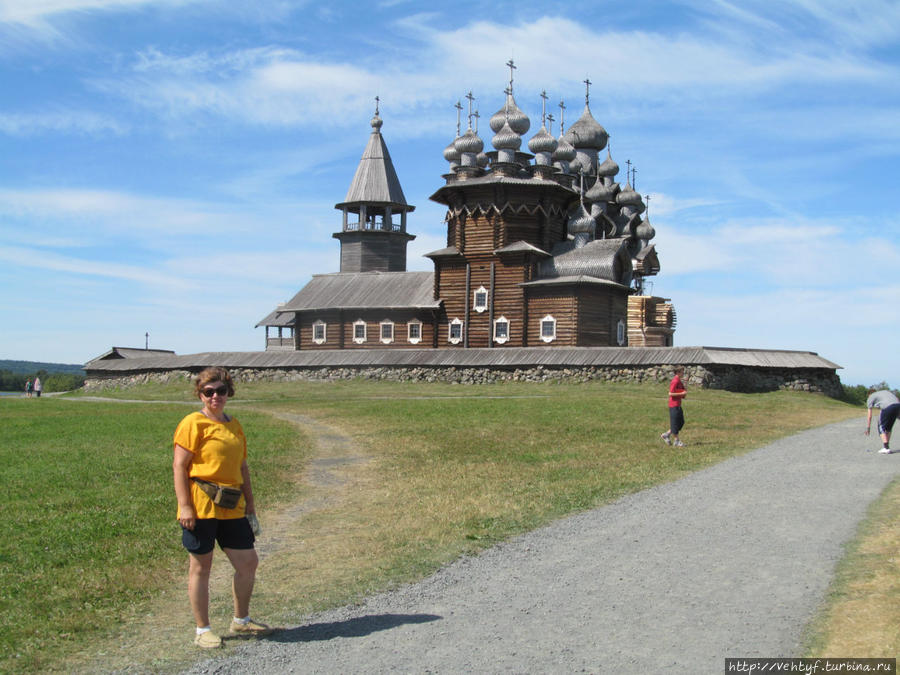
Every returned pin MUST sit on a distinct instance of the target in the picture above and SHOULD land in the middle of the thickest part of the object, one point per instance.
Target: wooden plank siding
(561, 305)
(599, 312)
(586, 316)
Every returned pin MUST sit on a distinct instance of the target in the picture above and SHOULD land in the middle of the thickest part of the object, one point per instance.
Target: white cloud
(93, 124)
(105, 215)
(47, 261)
(824, 255)
(35, 13)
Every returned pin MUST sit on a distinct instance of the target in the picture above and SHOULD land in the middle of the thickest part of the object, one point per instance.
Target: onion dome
(609, 167)
(575, 166)
(469, 142)
(542, 141)
(582, 221)
(564, 151)
(628, 197)
(582, 226)
(506, 138)
(587, 132)
(482, 160)
(451, 154)
(601, 192)
(376, 122)
(645, 231)
(518, 120)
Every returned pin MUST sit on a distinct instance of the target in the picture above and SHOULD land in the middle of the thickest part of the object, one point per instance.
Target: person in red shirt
(676, 414)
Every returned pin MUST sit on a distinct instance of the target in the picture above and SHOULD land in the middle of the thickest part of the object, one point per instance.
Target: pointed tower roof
(376, 179)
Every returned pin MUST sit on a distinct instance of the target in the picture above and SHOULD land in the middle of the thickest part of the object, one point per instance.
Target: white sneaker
(885, 451)
(665, 438)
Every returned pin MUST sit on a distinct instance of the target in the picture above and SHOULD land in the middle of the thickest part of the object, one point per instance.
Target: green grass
(453, 469)
(91, 512)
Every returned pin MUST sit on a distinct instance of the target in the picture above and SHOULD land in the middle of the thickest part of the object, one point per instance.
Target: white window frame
(481, 290)
(359, 340)
(409, 329)
(324, 326)
(505, 338)
(385, 324)
(620, 333)
(456, 323)
(548, 338)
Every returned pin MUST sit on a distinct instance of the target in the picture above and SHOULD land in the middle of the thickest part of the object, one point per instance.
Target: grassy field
(432, 471)
(861, 615)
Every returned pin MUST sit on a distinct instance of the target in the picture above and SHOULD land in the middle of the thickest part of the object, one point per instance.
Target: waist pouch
(221, 495)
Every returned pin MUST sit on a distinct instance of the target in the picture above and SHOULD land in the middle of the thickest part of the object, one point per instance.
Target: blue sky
(172, 166)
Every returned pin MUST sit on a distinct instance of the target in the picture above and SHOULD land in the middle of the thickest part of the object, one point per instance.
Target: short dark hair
(678, 370)
(213, 374)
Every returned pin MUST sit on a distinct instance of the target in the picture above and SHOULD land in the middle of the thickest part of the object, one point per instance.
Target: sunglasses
(221, 391)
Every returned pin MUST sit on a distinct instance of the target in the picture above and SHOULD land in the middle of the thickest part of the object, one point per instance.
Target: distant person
(676, 415)
(38, 387)
(889, 404)
(215, 504)
(27, 388)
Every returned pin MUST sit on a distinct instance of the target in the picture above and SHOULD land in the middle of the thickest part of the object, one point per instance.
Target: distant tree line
(857, 394)
(10, 381)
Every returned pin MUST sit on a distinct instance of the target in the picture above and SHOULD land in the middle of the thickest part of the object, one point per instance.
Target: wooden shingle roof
(376, 179)
(365, 290)
(515, 357)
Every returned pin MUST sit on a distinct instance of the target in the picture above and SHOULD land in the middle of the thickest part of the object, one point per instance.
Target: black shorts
(676, 419)
(887, 418)
(232, 533)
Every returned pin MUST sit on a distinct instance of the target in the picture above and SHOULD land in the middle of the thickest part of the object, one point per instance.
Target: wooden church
(544, 248)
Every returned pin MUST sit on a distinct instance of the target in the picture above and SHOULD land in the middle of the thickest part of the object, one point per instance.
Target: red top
(675, 386)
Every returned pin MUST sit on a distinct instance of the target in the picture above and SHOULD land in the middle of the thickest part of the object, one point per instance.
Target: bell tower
(374, 237)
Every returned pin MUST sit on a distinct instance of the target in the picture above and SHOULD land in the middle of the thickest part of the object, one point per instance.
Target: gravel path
(730, 561)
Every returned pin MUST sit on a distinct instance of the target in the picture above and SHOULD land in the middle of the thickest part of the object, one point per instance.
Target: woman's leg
(245, 562)
(198, 586)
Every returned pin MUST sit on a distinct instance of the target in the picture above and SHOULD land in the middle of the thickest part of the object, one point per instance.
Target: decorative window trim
(324, 326)
(548, 338)
(501, 339)
(359, 339)
(456, 326)
(480, 306)
(409, 330)
(620, 333)
(387, 323)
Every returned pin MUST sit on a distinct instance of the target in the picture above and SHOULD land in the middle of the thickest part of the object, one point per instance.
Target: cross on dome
(512, 67)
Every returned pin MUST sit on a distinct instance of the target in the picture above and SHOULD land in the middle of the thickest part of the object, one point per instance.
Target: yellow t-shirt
(219, 449)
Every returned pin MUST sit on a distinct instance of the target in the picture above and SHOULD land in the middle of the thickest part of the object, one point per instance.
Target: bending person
(890, 409)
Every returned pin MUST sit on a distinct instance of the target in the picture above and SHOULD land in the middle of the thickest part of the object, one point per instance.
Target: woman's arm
(247, 488)
(181, 464)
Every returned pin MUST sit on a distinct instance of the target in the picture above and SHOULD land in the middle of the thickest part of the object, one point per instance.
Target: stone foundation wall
(731, 378)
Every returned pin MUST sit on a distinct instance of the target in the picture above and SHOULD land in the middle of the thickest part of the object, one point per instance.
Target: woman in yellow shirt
(210, 467)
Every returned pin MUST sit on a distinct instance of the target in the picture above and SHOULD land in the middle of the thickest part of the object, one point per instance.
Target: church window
(481, 299)
(501, 330)
(359, 331)
(548, 329)
(620, 333)
(319, 332)
(414, 331)
(456, 327)
(387, 331)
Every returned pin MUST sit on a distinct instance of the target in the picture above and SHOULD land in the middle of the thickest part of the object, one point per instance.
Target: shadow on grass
(358, 627)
